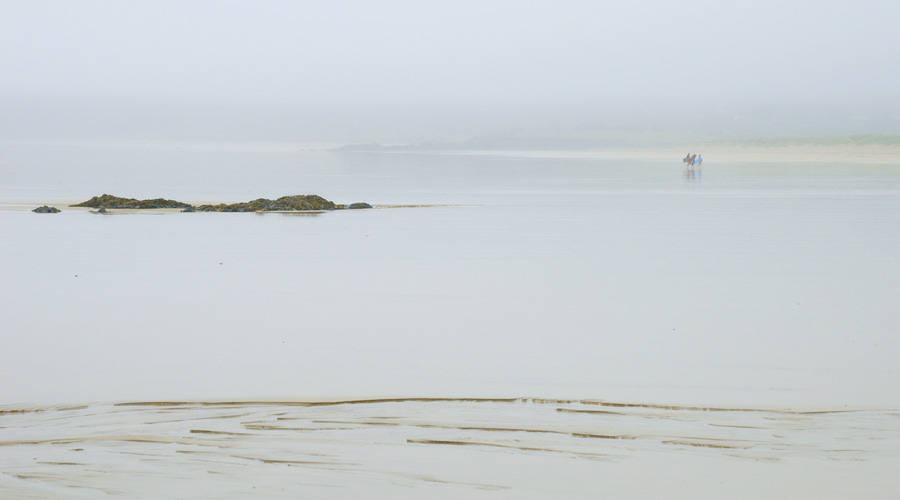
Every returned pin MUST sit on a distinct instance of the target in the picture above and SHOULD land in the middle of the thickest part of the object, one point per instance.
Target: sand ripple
(431, 446)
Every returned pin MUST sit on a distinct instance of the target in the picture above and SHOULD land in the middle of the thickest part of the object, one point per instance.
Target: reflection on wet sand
(388, 445)
(693, 173)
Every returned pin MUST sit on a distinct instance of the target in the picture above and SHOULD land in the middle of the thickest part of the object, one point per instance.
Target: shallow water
(768, 286)
(445, 449)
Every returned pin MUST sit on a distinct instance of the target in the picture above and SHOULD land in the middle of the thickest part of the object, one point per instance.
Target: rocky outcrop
(46, 210)
(295, 203)
(110, 201)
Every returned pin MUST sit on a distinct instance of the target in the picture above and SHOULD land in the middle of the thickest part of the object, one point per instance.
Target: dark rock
(101, 211)
(296, 203)
(45, 210)
(110, 201)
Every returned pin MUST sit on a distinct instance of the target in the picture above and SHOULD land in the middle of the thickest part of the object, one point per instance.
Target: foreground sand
(446, 448)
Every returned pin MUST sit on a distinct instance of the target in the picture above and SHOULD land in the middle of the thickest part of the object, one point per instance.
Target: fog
(405, 72)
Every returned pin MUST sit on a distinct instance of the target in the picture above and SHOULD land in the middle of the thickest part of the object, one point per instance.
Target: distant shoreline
(876, 149)
(793, 154)
(889, 155)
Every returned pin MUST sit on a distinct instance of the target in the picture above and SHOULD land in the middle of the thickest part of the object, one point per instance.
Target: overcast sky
(436, 54)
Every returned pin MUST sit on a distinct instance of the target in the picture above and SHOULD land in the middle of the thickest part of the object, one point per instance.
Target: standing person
(687, 160)
(699, 160)
(693, 160)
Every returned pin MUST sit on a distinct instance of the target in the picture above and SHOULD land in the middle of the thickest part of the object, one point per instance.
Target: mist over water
(533, 309)
(641, 73)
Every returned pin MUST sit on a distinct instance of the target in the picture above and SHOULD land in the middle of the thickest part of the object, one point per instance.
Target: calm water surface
(661, 335)
(749, 284)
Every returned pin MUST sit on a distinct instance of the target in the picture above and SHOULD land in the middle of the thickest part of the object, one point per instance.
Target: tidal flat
(528, 325)
(444, 448)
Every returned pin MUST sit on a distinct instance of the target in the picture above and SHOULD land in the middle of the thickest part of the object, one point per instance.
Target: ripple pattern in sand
(408, 447)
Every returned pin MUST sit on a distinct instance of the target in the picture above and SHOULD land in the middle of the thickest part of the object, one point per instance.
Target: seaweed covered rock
(295, 203)
(46, 210)
(110, 201)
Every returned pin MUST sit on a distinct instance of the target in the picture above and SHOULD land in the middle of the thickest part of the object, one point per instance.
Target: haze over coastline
(649, 73)
(529, 295)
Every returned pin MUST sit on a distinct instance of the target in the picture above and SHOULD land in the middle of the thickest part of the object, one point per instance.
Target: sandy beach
(445, 448)
(712, 154)
(524, 325)
(799, 154)
(449, 250)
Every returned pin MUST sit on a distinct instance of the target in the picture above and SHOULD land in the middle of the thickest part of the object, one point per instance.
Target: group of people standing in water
(692, 160)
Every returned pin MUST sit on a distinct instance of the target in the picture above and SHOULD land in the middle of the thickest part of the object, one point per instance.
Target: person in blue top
(699, 160)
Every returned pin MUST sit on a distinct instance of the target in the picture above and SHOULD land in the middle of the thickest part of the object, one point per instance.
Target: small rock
(356, 206)
(45, 210)
(188, 209)
(101, 211)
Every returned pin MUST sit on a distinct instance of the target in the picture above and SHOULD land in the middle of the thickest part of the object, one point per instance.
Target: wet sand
(717, 153)
(740, 327)
(446, 448)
